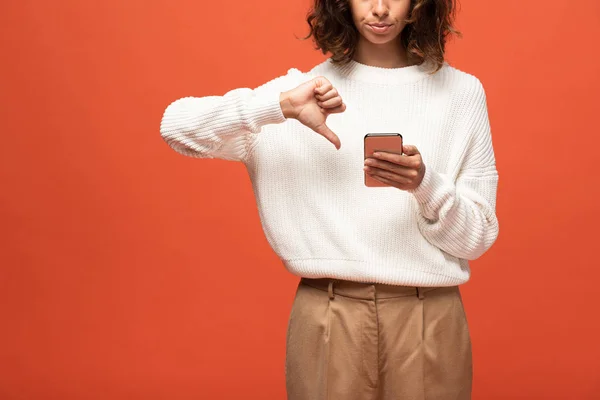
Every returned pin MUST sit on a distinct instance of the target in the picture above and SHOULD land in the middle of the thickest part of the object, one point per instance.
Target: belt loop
(330, 290)
(420, 293)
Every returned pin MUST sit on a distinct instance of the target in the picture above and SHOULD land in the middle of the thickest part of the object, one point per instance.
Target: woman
(378, 312)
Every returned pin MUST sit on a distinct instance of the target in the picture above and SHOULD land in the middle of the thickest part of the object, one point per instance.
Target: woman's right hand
(311, 103)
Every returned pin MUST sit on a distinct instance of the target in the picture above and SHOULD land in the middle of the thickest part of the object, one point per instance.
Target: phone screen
(387, 142)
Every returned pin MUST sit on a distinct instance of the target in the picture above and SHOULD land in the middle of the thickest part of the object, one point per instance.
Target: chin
(376, 39)
(379, 39)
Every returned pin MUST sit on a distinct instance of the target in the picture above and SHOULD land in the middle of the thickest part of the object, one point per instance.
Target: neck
(386, 55)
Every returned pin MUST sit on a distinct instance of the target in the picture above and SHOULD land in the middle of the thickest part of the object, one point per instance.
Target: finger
(323, 89)
(400, 159)
(392, 167)
(329, 95)
(410, 150)
(390, 176)
(339, 109)
(381, 179)
(322, 86)
(336, 101)
(391, 182)
(328, 134)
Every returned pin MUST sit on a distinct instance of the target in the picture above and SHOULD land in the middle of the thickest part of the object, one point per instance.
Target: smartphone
(388, 142)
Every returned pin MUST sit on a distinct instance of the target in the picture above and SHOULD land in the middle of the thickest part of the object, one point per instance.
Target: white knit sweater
(316, 212)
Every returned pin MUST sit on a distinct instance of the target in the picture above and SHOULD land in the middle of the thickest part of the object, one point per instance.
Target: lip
(379, 28)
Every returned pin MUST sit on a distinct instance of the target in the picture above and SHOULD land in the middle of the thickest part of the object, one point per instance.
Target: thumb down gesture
(311, 103)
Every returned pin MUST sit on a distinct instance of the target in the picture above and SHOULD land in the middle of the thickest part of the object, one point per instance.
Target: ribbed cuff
(266, 109)
(425, 192)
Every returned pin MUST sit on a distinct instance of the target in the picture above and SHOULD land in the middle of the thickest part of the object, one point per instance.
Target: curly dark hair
(428, 26)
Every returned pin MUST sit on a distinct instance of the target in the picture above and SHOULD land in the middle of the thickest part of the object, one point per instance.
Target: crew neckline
(355, 70)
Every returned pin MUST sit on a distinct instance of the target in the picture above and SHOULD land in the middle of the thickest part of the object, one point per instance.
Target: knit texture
(315, 210)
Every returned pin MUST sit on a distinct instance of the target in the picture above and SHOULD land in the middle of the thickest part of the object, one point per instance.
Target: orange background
(129, 271)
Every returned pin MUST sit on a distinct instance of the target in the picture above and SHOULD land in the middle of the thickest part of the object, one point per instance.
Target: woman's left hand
(403, 171)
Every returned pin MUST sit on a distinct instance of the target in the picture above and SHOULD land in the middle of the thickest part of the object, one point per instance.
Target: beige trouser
(349, 340)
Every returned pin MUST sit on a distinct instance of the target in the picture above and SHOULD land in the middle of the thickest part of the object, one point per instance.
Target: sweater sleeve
(225, 127)
(460, 217)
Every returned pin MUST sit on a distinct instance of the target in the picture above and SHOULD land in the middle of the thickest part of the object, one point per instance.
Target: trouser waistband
(363, 290)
